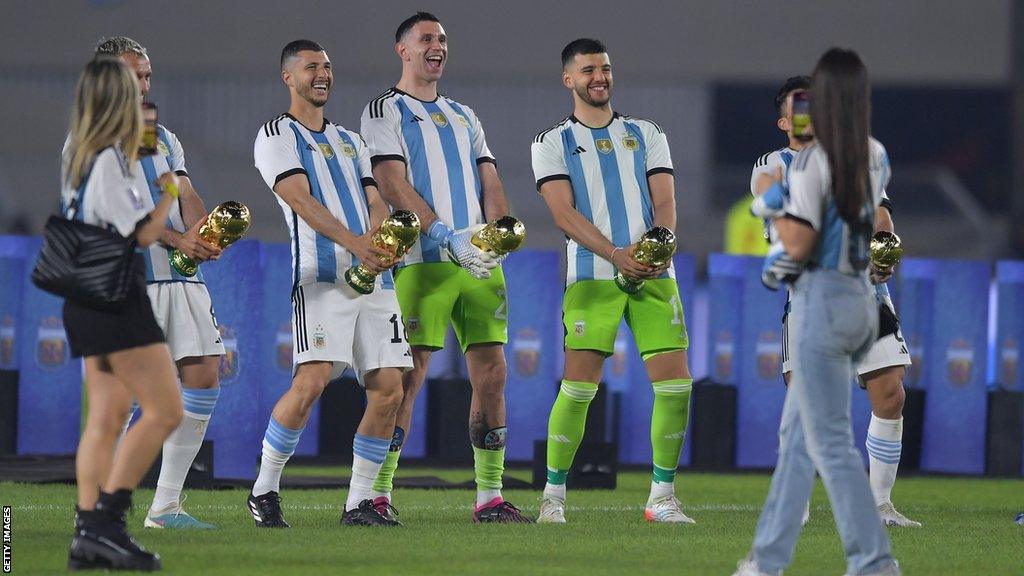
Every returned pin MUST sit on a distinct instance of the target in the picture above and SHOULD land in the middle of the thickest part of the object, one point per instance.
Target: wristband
(171, 189)
(439, 232)
(611, 257)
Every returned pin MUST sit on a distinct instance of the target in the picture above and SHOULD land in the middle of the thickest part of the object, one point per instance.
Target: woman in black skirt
(124, 350)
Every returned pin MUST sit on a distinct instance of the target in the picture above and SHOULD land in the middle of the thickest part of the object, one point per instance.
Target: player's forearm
(883, 221)
(397, 192)
(154, 227)
(665, 214)
(662, 186)
(192, 207)
(376, 207)
(495, 202)
(581, 230)
(320, 219)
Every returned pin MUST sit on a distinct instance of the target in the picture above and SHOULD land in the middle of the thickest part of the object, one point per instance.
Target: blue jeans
(833, 322)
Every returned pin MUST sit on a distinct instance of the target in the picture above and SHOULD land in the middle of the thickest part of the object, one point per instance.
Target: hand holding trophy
(224, 226)
(504, 235)
(396, 235)
(655, 248)
(886, 252)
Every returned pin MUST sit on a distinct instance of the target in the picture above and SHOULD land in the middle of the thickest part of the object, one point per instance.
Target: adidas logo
(579, 150)
(309, 146)
(559, 438)
(416, 118)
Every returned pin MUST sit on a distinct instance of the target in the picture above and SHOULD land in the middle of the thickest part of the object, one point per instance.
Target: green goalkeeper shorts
(592, 311)
(432, 294)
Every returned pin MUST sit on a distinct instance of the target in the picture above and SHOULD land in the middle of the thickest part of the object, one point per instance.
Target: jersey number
(677, 309)
(502, 312)
(398, 336)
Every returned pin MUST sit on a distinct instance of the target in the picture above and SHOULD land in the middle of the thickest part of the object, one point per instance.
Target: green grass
(968, 529)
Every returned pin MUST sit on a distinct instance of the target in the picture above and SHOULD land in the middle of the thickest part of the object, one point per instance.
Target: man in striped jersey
(181, 304)
(881, 371)
(320, 174)
(607, 179)
(430, 156)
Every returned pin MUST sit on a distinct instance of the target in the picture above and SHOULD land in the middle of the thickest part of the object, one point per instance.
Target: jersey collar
(615, 115)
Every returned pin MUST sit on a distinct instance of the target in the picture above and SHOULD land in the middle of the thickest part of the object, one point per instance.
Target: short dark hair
(792, 84)
(411, 21)
(118, 45)
(296, 46)
(581, 46)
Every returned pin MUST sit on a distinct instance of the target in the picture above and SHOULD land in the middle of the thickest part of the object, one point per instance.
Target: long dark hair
(841, 115)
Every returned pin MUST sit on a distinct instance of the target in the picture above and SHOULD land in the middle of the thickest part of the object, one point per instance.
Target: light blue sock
(368, 455)
(278, 446)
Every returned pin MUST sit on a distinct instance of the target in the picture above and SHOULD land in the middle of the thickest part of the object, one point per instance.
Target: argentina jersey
(336, 163)
(811, 202)
(170, 157)
(441, 143)
(107, 196)
(608, 169)
(768, 164)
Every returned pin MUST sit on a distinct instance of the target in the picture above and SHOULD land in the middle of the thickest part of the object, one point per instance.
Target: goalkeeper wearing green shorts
(430, 155)
(607, 178)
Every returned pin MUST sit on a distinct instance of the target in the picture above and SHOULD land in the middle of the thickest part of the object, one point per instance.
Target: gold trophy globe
(224, 226)
(504, 235)
(886, 251)
(655, 248)
(396, 235)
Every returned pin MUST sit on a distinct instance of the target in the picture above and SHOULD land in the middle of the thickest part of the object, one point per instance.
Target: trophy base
(360, 283)
(628, 286)
(183, 264)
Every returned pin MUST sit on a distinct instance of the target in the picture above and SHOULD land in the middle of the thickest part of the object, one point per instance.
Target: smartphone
(149, 134)
(802, 116)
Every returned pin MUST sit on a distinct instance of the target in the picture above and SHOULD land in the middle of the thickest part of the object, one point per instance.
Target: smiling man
(430, 156)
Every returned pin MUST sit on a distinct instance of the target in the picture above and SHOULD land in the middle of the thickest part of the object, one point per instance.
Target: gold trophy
(655, 248)
(224, 226)
(504, 235)
(886, 251)
(396, 235)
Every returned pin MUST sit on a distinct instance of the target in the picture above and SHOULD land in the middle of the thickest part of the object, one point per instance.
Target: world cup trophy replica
(224, 226)
(655, 248)
(886, 251)
(504, 235)
(396, 236)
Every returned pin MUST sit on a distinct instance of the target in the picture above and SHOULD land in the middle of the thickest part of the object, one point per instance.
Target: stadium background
(948, 103)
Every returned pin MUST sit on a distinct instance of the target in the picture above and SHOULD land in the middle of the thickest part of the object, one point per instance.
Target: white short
(185, 314)
(889, 350)
(334, 323)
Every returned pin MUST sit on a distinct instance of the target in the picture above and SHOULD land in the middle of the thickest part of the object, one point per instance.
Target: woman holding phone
(124, 350)
(835, 186)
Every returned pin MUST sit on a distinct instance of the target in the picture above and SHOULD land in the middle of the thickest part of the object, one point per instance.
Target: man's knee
(202, 375)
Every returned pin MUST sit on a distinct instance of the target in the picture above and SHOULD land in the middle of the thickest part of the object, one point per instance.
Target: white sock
(660, 489)
(885, 445)
(364, 473)
(180, 450)
(556, 491)
(485, 495)
(271, 465)
(375, 494)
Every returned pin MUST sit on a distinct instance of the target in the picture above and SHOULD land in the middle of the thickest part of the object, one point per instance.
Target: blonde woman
(124, 350)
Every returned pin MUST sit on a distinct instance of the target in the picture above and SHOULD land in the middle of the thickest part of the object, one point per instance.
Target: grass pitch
(968, 529)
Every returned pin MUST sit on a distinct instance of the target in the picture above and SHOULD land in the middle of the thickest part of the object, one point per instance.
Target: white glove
(779, 268)
(772, 203)
(463, 252)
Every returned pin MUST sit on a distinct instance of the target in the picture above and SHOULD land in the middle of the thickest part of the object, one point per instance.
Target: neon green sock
(668, 425)
(489, 466)
(386, 476)
(566, 425)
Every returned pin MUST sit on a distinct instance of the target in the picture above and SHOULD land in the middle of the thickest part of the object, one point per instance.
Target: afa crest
(162, 148)
(439, 119)
(52, 350)
(413, 325)
(526, 347)
(319, 338)
(283, 347)
(630, 142)
(724, 354)
(604, 145)
(229, 361)
(580, 327)
(348, 150)
(7, 341)
(769, 355)
(1008, 362)
(326, 149)
(959, 361)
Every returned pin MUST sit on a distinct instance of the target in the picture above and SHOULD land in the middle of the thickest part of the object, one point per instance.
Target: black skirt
(92, 331)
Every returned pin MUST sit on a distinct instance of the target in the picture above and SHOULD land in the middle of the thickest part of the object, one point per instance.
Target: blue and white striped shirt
(441, 143)
(608, 168)
(336, 163)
